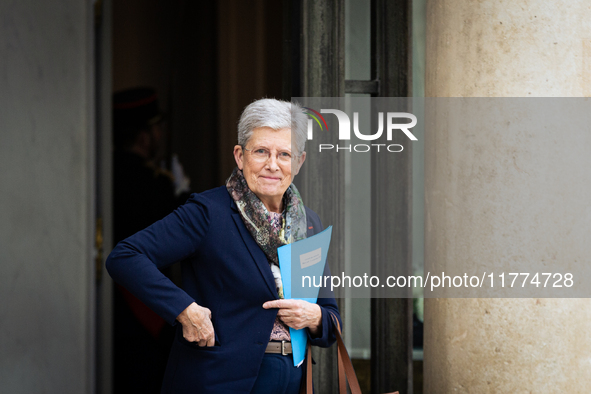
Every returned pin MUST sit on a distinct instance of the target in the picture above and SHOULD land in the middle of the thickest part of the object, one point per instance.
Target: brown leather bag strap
(306, 388)
(341, 365)
(346, 370)
(345, 362)
(342, 373)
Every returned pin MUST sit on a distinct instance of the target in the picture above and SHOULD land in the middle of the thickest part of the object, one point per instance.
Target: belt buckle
(283, 349)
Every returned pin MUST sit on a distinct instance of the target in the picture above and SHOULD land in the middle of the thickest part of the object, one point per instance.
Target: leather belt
(283, 348)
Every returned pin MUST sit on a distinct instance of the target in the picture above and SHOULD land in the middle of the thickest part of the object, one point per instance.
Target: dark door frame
(314, 67)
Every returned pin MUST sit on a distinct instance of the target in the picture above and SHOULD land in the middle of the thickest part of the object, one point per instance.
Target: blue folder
(302, 268)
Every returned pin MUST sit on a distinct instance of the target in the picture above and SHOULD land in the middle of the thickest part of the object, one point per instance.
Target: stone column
(47, 197)
(518, 48)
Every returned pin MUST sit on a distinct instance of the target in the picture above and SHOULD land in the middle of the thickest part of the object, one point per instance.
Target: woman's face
(266, 165)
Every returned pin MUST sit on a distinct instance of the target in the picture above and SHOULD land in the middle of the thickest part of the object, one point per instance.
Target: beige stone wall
(47, 148)
(502, 48)
(520, 48)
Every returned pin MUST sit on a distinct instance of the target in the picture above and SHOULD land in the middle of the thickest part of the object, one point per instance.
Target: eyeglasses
(261, 155)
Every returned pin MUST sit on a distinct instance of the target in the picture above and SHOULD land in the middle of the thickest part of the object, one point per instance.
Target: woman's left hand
(298, 314)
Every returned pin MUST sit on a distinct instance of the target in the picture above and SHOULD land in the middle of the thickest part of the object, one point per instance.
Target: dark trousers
(278, 376)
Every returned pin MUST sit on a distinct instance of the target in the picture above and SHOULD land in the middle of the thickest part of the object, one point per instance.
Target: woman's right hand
(197, 326)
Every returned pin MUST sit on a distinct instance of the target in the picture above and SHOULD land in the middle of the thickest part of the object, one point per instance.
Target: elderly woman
(233, 320)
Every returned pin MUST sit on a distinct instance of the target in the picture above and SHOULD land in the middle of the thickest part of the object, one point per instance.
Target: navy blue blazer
(224, 270)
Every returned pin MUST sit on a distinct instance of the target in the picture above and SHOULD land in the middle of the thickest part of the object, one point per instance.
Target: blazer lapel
(256, 252)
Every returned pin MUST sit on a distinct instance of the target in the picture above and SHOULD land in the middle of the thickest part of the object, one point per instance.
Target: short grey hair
(277, 115)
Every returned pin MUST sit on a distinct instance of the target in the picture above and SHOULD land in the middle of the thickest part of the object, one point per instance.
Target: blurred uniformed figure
(143, 193)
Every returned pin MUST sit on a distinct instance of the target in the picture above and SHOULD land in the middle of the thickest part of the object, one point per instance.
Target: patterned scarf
(268, 230)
